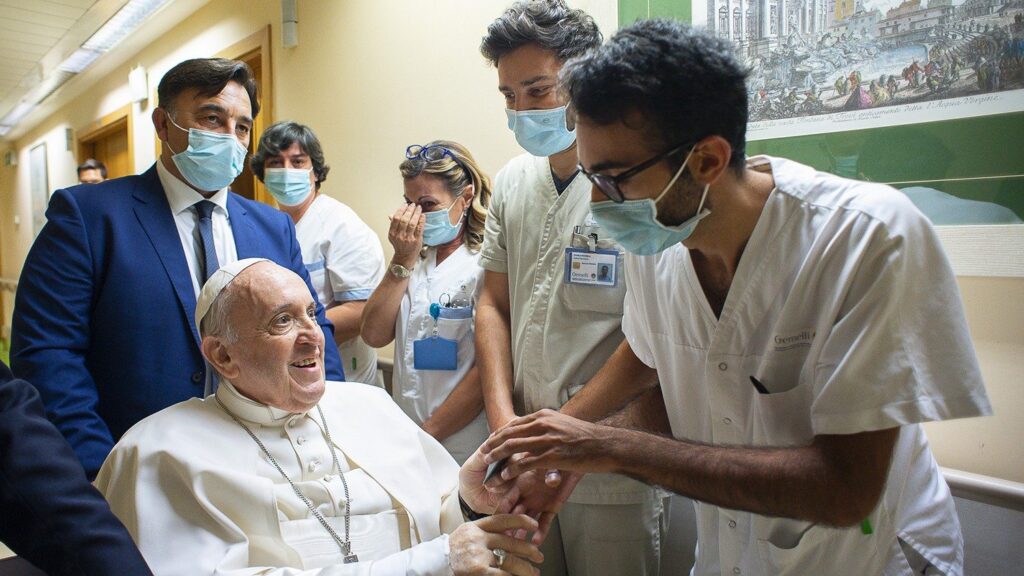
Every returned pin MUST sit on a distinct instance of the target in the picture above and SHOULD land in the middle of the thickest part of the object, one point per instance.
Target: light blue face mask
(289, 186)
(541, 132)
(438, 228)
(211, 161)
(635, 225)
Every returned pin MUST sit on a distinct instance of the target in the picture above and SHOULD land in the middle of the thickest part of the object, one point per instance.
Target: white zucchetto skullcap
(218, 282)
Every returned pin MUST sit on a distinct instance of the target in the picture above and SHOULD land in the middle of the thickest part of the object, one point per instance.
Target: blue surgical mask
(289, 186)
(438, 228)
(634, 223)
(541, 132)
(211, 161)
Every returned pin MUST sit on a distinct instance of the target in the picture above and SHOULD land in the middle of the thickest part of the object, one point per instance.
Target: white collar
(181, 196)
(250, 410)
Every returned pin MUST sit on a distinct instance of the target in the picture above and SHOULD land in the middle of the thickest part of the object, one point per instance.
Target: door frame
(104, 126)
(257, 44)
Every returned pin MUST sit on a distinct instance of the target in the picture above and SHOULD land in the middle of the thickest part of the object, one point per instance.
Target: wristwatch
(399, 271)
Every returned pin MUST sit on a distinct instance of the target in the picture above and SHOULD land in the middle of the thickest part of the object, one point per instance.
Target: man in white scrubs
(801, 326)
(545, 324)
(278, 474)
(342, 254)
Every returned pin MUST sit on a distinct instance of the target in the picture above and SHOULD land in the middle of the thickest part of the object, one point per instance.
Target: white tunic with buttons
(561, 333)
(845, 308)
(421, 392)
(345, 263)
(200, 497)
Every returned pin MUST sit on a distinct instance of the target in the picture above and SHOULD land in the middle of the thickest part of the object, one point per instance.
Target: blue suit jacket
(104, 316)
(51, 515)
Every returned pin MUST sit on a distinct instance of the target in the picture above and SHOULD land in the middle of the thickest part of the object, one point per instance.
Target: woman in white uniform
(425, 302)
(342, 254)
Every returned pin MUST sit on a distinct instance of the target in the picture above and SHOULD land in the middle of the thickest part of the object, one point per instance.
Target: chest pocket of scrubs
(455, 323)
(782, 416)
(818, 548)
(606, 299)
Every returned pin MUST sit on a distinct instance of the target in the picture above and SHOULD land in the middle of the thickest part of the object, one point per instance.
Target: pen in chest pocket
(758, 386)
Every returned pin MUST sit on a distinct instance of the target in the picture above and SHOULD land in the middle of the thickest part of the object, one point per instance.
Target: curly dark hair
(280, 136)
(685, 84)
(550, 24)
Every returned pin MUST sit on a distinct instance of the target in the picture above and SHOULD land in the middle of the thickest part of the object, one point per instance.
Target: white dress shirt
(182, 198)
(844, 308)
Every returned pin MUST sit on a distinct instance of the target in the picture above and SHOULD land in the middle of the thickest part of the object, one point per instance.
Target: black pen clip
(758, 386)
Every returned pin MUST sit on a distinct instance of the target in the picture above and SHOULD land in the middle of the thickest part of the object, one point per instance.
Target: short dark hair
(279, 137)
(209, 76)
(93, 164)
(550, 24)
(684, 83)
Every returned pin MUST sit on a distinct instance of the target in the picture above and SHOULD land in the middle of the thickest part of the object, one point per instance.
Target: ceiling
(37, 36)
(29, 31)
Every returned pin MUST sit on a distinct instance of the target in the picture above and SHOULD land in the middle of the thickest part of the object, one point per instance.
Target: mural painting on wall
(833, 65)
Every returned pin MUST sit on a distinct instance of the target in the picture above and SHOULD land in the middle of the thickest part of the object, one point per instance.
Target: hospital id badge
(435, 353)
(591, 267)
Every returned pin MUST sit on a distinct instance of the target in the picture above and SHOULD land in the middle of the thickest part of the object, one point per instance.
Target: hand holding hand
(406, 234)
(490, 500)
(541, 496)
(549, 440)
(483, 547)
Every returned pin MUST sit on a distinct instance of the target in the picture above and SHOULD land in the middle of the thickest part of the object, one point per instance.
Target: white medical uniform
(845, 308)
(420, 392)
(345, 263)
(199, 496)
(562, 334)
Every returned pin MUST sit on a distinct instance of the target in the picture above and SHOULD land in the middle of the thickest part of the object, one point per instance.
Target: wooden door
(109, 140)
(112, 149)
(245, 184)
(255, 51)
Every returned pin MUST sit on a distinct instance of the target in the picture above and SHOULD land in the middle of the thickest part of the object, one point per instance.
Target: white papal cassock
(200, 497)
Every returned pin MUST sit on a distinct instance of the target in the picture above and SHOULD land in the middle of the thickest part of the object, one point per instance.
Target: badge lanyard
(591, 266)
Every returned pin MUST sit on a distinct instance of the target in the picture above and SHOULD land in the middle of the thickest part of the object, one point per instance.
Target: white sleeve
(354, 260)
(898, 351)
(633, 323)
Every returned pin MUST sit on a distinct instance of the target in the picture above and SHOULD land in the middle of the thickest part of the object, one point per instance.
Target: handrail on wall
(985, 489)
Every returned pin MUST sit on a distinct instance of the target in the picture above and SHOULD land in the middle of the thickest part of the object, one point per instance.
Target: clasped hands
(548, 453)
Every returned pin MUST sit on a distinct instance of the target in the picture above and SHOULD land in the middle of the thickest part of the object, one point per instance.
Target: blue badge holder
(434, 352)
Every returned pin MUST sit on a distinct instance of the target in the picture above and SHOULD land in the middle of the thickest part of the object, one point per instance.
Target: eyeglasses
(430, 153)
(609, 185)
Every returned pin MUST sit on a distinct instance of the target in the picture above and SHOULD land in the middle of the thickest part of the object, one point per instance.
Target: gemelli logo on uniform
(789, 341)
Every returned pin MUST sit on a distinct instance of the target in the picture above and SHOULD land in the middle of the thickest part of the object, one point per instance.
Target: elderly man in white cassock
(280, 473)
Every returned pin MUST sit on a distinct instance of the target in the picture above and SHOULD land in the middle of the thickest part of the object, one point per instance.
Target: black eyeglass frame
(609, 185)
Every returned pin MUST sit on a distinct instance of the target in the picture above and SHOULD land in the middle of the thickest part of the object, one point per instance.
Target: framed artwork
(39, 184)
(924, 95)
(831, 65)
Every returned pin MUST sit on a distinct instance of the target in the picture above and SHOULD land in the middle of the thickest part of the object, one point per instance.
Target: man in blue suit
(102, 319)
(52, 516)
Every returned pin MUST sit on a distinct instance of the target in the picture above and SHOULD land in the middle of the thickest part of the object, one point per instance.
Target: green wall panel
(631, 10)
(977, 158)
